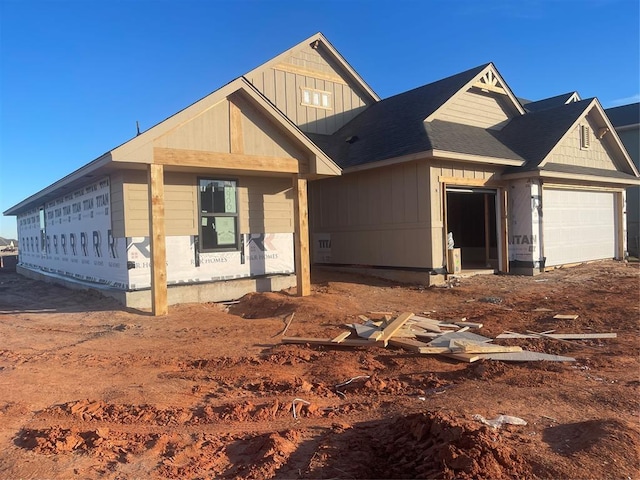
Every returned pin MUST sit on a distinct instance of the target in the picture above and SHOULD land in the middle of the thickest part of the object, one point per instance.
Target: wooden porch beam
(159, 304)
(504, 229)
(301, 240)
(232, 161)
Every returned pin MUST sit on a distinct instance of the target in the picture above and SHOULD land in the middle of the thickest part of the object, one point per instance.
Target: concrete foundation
(183, 293)
(413, 277)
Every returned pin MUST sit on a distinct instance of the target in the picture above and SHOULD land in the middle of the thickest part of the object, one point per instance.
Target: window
(218, 215)
(585, 137)
(316, 98)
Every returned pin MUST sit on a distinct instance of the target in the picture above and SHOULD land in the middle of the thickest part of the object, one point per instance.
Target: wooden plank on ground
(350, 342)
(340, 338)
(524, 356)
(464, 357)
(444, 339)
(394, 326)
(465, 346)
(565, 317)
(417, 346)
(561, 336)
(469, 324)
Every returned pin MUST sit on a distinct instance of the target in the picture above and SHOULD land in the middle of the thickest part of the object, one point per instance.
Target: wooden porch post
(504, 228)
(620, 225)
(155, 175)
(301, 247)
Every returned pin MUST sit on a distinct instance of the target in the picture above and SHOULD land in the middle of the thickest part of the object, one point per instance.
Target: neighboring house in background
(626, 120)
(212, 202)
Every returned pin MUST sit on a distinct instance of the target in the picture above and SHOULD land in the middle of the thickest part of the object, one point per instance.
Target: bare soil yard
(91, 390)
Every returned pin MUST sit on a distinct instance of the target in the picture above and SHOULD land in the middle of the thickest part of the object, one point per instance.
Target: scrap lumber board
(350, 342)
(565, 317)
(444, 339)
(394, 326)
(561, 336)
(523, 356)
(469, 324)
(340, 338)
(465, 346)
(417, 346)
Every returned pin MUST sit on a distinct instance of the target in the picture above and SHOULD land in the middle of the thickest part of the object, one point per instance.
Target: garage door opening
(471, 218)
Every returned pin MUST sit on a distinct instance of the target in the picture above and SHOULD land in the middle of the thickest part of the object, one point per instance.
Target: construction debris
(427, 336)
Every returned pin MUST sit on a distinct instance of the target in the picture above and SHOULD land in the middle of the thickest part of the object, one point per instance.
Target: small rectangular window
(316, 98)
(218, 215)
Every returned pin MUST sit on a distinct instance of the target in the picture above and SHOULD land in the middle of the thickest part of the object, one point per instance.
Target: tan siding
(180, 204)
(375, 217)
(117, 205)
(266, 205)
(475, 108)
(570, 153)
(281, 83)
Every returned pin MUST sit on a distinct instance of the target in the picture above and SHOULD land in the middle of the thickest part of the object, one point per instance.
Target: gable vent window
(316, 98)
(585, 136)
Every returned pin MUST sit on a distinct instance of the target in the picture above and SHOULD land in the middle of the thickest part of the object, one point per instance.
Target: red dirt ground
(91, 390)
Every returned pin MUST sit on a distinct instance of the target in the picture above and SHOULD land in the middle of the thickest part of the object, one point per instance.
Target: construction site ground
(89, 389)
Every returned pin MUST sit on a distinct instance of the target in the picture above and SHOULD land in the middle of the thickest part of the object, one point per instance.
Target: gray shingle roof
(546, 103)
(624, 115)
(534, 134)
(394, 126)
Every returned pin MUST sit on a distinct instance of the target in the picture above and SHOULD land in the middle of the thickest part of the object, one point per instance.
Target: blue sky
(75, 76)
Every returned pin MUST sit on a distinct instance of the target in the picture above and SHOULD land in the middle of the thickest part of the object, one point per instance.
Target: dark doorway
(471, 218)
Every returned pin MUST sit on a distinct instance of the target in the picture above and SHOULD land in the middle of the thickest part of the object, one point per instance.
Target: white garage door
(578, 225)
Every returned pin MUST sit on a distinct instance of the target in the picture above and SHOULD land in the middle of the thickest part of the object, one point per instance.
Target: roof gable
(551, 102)
(550, 137)
(485, 100)
(215, 106)
(313, 69)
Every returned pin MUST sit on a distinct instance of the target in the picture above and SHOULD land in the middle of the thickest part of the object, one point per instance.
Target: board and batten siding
(476, 108)
(210, 132)
(375, 217)
(458, 173)
(597, 155)
(282, 84)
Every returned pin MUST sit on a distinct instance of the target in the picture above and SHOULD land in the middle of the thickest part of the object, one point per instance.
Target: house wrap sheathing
(212, 202)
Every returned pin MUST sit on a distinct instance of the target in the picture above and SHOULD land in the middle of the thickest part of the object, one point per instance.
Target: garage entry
(578, 225)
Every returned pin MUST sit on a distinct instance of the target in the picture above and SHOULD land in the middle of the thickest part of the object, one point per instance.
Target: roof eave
(54, 188)
(435, 155)
(549, 174)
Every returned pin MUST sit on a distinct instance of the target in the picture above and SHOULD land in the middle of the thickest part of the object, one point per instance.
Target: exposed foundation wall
(375, 217)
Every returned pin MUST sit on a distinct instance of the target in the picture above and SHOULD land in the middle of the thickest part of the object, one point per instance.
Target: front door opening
(471, 218)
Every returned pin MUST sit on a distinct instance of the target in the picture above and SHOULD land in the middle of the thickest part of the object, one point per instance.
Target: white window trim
(322, 95)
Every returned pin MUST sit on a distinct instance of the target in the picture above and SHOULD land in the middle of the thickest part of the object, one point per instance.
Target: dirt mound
(425, 445)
